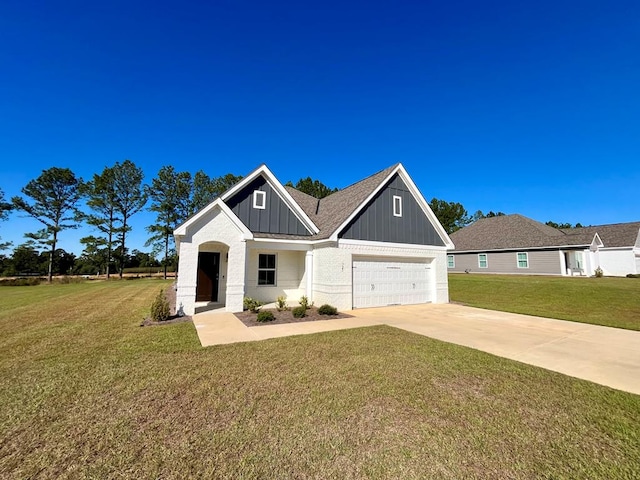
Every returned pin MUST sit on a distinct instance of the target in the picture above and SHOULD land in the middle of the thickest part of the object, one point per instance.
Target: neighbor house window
(266, 269)
(482, 260)
(397, 206)
(451, 263)
(259, 199)
(523, 260)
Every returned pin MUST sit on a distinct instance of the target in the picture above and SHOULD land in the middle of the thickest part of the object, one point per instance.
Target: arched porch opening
(211, 277)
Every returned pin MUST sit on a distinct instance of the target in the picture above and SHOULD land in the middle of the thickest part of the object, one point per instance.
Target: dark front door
(208, 272)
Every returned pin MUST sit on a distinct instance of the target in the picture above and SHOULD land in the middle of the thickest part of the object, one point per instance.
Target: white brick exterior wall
(216, 232)
(332, 277)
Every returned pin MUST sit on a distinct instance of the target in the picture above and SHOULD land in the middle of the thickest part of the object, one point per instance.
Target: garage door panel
(380, 283)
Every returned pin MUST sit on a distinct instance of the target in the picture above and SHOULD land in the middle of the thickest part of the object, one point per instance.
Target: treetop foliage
(452, 215)
(54, 194)
(5, 207)
(563, 225)
(315, 188)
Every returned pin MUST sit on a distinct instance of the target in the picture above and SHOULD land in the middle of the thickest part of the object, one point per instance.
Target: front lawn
(88, 393)
(608, 301)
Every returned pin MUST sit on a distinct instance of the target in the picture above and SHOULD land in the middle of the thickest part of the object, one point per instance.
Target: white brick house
(374, 243)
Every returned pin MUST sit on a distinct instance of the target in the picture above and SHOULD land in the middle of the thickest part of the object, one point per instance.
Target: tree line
(113, 196)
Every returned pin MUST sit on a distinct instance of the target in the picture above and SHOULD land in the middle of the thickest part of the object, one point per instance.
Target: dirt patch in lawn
(286, 316)
(170, 295)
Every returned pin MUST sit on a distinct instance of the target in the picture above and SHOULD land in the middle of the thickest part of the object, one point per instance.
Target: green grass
(608, 301)
(88, 393)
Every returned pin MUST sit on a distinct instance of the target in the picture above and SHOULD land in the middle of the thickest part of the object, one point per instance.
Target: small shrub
(251, 304)
(304, 302)
(281, 303)
(265, 316)
(300, 312)
(160, 307)
(599, 273)
(327, 310)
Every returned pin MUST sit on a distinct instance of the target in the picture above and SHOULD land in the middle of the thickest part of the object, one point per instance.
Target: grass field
(88, 393)
(608, 301)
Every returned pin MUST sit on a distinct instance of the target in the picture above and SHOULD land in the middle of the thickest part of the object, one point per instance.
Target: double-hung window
(482, 260)
(266, 269)
(523, 260)
(451, 262)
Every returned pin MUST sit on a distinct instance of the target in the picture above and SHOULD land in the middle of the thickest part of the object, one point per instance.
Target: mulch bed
(246, 317)
(286, 316)
(170, 295)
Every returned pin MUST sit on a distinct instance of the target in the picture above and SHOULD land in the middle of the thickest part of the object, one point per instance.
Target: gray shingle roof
(612, 235)
(507, 232)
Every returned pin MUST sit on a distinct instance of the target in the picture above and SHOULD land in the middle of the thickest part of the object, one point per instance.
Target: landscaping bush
(160, 307)
(252, 305)
(265, 316)
(327, 310)
(300, 312)
(304, 302)
(599, 273)
(281, 303)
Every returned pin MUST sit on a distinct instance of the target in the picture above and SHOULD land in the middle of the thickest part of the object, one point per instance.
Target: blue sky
(519, 107)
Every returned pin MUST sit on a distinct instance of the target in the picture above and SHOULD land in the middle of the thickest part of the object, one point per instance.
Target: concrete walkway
(604, 355)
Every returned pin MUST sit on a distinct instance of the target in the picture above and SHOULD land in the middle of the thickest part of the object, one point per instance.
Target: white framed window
(266, 269)
(397, 206)
(451, 262)
(482, 260)
(523, 259)
(259, 199)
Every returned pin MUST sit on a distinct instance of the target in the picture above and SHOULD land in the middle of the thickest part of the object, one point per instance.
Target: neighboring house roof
(612, 235)
(511, 232)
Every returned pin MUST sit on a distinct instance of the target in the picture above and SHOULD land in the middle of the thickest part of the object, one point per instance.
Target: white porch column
(308, 269)
(563, 264)
(187, 277)
(235, 276)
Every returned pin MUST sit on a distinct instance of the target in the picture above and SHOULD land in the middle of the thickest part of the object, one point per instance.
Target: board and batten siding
(376, 222)
(276, 217)
(541, 262)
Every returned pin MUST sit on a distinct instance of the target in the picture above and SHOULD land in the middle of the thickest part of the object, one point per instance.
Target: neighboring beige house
(520, 245)
(374, 243)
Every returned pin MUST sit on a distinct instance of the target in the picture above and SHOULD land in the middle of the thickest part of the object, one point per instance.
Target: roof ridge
(366, 178)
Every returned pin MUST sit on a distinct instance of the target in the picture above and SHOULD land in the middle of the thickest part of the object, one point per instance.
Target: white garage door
(379, 283)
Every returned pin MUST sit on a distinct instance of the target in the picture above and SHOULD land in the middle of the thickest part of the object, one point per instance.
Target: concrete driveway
(604, 355)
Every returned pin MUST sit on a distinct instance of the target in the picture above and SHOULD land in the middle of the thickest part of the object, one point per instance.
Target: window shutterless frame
(266, 269)
(397, 206)
(482, 260)
(259, 199)
(523, 259)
